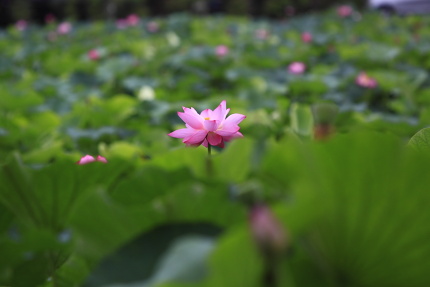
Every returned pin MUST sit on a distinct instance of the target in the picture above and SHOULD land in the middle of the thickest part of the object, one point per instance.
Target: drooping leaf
(421, 140)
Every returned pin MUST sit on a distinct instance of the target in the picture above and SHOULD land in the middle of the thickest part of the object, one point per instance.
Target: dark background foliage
(36, 10)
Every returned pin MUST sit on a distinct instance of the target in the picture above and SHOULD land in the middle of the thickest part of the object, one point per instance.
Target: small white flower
(173, 39)
(146, 93)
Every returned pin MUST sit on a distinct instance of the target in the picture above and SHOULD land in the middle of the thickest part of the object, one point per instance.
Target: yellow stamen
(207, 118)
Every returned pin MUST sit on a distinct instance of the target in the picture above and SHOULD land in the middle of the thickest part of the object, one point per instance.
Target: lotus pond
(326, 184)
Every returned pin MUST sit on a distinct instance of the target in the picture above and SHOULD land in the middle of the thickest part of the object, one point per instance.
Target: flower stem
(209, 167)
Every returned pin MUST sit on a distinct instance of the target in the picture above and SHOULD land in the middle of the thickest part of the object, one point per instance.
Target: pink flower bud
(133, 20)
(121, 23)
(93, 55)
(88, 159)
(297, 68)
(101, 159)
(21, 25)
(221, 50)
(344, 11)
(85, 160)
(306, 37)
(152, 27)
(267, 230)
(64, 28)
(365, 81)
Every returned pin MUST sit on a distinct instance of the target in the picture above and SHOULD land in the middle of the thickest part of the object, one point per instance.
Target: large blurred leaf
(18, 98)
(235, 261)
(301, 119)
(233, 164)
(365, 199)
(46, 196)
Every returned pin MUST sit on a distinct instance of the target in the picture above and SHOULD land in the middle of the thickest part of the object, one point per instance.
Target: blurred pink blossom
(132, 20)
(88, 159)
(261, 34)
(21, 25)
(365, 81)
(267, 230)
(306, 37)
(209, 127)
(297, 68)
(121, 23)
(101, 159)
(344, 11)
(152, 26)
(64, 28)
(221, 50)
(93, 54)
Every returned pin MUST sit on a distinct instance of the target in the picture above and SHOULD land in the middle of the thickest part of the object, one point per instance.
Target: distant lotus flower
(93, 54)
(49, 18)
(297, 68)
(267, 230)
(88, 159)
(152, 26)
(365, 81)
(101, 159)
(221, 50)
(133, 20)
(261, 34)
(64, 28)
(21, 25)
(344, 11)
(209, 127)
(121, 23)
(306, 37)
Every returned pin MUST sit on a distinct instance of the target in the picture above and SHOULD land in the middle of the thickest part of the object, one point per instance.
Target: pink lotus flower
(365, 81)
(21, 25)
(221, 50)
(64, 28)
(209, 127)
(344, 11)
(93, 55)
(133, 20)
(152, 26)
(88, 159)
(306, 37)
(297, 68)
(101, 159)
